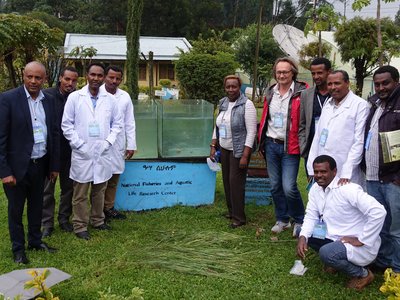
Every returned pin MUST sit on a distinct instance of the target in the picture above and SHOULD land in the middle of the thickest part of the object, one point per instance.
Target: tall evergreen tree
(135, 8)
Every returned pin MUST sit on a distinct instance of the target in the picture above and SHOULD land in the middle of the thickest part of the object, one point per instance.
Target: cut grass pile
(200, 253)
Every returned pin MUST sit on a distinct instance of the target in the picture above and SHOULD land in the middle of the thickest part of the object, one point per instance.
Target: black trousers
(30, 188)
(49, 201)
(234, 180)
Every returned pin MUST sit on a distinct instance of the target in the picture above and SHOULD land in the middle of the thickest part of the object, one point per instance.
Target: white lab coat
(126, 139)
(91, 156)
(345, 140)
(347, 211)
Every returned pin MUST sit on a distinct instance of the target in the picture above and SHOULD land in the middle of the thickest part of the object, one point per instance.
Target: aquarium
(146, 129)
(184, 128)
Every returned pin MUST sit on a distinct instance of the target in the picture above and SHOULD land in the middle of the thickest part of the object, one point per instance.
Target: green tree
(24, 39)
(397, 18)
(320, 19)
(82, 53)
(50, 20)
(160, 19)
(356, 40)
(286, 12)
(212, 45)
(21, 6)
(201, 74)
(309, 52)
(135, 8)
(269, 51)
(360, 4)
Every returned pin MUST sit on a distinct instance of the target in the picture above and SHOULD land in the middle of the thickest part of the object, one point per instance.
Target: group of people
(83, 136)
(338, 135)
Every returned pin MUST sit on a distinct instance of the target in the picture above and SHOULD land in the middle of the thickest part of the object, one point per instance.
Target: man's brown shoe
(358, 283)
(329, 270)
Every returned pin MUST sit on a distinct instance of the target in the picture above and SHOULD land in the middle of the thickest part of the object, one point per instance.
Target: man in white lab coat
(340, 130)
(342, 223)
(91, 122)
(125, 145)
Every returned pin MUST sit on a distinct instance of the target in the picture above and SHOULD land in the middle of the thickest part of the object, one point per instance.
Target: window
(142, 72)
(167, 71)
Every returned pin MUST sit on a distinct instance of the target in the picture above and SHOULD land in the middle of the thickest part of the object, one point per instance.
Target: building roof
(113, 47)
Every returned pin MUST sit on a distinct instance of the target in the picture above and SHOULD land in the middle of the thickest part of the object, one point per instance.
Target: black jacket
(389, 121)
(16, 134)
(59, 103)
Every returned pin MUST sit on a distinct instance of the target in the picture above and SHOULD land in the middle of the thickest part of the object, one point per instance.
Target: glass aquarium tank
(184, 128)
(146, 129)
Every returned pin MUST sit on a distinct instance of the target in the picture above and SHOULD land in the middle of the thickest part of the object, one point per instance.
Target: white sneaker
(280, 226)
(296, 229)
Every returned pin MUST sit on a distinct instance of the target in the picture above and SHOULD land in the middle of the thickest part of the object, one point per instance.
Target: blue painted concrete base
(153, 184)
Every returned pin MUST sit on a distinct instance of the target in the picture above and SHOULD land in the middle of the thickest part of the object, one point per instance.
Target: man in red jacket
(279, 142)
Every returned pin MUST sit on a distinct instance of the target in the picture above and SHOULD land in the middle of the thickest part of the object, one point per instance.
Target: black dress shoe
(47, 232)
(83, 235)
(103, 226)
(236, 224)
(20, 258)
(114, 214)
(67, 227)
(42, 247)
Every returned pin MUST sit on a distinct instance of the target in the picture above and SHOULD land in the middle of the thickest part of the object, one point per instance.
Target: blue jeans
(388, 194)
(333, 254)
(283, 169)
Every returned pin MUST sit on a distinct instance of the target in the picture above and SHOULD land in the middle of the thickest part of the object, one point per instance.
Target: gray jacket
(238, 125)
(306, 114)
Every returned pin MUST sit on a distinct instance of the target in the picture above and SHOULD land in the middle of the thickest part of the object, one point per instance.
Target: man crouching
(342, 223)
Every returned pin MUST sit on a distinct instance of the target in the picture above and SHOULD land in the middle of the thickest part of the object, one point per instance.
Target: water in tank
(184, 128)
(146, 129)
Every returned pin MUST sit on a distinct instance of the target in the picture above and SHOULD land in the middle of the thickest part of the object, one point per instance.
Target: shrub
(201, 75)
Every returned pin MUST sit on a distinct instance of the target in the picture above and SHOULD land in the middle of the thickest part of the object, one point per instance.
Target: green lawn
(185, 253)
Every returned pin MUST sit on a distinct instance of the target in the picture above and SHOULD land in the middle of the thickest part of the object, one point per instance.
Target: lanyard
(319, 101)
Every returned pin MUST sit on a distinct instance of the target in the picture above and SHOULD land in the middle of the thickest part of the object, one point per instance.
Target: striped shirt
(372, 153)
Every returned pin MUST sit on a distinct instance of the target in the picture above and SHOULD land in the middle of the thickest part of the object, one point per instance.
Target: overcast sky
(387, 9)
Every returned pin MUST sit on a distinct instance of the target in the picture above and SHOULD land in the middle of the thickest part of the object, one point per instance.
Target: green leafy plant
(38, 283)
(136, 294)
(165, 83)
(8, 298)
(391, 286)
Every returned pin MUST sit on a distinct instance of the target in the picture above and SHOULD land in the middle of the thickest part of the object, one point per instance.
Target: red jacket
(292, 128)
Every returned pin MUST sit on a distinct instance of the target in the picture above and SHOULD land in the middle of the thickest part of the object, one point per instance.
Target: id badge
(38, 135)
(222, 131)
(316, 120)
(278, 120)
(94, 129)
(368, 140)
(320, 230)
(323, 137)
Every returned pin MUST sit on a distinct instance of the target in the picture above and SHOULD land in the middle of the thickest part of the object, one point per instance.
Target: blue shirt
(38, 118)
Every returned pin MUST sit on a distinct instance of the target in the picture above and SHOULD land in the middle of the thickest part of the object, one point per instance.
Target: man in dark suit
(311, 102)
(29, 150)
(66, 85)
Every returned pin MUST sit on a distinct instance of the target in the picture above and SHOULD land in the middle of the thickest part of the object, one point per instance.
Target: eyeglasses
(282, 72)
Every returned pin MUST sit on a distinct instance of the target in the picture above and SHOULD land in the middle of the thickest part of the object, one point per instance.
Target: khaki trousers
(111, 190)
(80, 205)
